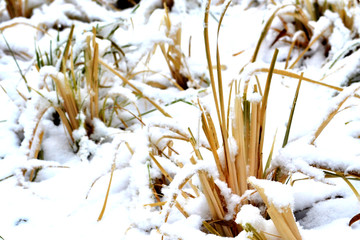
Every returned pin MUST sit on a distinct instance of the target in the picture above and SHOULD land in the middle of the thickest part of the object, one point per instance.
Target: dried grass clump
(246, 128)
(173, 55)
(86, 87)
(345, 9)
(297, 31)
(75, 82)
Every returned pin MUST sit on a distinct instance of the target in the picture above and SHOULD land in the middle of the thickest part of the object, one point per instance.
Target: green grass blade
(265, 31)
(17, 64)
(267, 165)
(288, 127)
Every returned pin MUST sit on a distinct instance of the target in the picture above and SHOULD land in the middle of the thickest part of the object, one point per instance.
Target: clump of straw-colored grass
(247, 128)
(79, 87)
(345, 9)
(173, 55)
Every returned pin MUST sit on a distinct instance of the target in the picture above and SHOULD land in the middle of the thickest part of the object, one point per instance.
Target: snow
(59, 193)
(277, 194)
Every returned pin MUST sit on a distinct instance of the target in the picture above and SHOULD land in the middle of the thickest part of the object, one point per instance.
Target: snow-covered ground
(100, 181)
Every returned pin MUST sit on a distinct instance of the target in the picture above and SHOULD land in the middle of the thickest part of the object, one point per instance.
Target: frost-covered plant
(245, 158)
(305, 25)
(80, 84)
(87, 86)
(174, 57)
(344, 8)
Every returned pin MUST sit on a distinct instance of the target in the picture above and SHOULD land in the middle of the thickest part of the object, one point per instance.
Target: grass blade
(288, 127)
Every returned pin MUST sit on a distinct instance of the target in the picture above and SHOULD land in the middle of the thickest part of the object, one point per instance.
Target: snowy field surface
(105, 115)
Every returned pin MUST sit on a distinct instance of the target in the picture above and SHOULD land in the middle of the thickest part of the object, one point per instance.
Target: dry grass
(15, 8)
(299, 29)
(21, 8)
(248, 128)
(173, 54)
(92, 74)
(283, 218)
(78, 84)
(332, 114)
(343, 8)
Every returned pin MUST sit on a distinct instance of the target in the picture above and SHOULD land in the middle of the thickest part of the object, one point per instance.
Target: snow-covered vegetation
(179, 119)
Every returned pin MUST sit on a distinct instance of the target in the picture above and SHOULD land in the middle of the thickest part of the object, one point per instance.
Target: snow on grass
(60, 194)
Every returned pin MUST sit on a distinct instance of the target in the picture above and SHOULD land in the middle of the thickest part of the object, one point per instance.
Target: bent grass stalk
(289, 74)
(36, 139)
(331, 115)
(113, 166)
(69, 104)
(265, 31)
(174, 198)
(283, 219)
(307, 48)
(17, 64)
(173, 55)
(138, 91)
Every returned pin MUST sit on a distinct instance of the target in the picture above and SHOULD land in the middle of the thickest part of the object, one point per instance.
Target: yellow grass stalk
(230, 168)
(208, 57)
(290, 50)
(297, 76)
(349, 184)
(14, 8)
(38, 146)
(168, 177)
(255, 234)
(307, 48)
(211, 136)
(157, 204)
(67, 49)
(331, 115)
(163, 171)
(92, 75)
(69, 102)
(138, 91)
(23, 23)
(212, 194)
(113, 167)
(265, 31)
(283, 218)
(173, 55)
(65, 122)
(239, 136)
(34, 150)
(254, 139)
(194, 188)
(108, 190)
(310, 9)
(248, 130)
(72, 72)
(262, 117)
